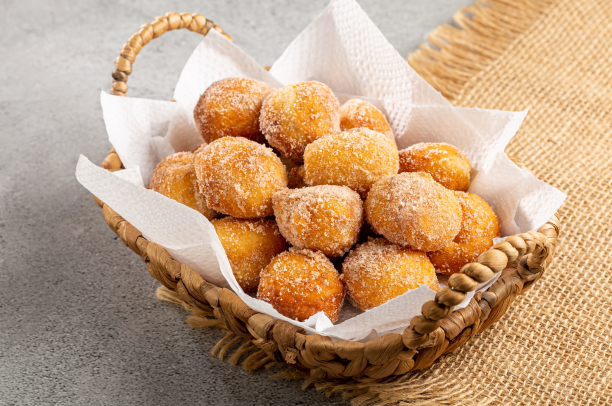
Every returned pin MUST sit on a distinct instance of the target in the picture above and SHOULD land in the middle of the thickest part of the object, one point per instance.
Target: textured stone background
(79, 322)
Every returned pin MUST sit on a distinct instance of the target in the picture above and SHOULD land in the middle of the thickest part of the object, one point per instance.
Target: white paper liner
(345, 50)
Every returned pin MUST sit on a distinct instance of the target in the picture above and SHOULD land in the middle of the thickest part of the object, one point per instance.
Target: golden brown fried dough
(357, 113)
(321, 218)
(175, 177)
(356, 158)
(301, 283)
(250, 245)
(378, 271)
(479, 219)
(411, 209)
(296, 115)
(445, 163)
(454, 256)
(479, 226)
(239, 177)
(230, 108)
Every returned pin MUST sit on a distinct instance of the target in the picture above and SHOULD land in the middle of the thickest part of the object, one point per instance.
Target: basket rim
(440, 329)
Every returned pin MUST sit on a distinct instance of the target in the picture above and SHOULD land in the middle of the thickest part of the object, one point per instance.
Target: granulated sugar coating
(175, 177)
(478, 228)
(250, 245)
(479, 219)
(323, 218)
(411, 209)
(230, 108)
(239, 177)
(356, 158)
(357, 113)
(445, 163)
(301, 283)
(378, 271)
(454, 256)
(296, 115)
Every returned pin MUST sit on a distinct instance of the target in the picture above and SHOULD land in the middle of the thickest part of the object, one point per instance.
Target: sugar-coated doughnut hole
(357, 113)
(296, 115)
(301, 283)
(175, 178)
(239, 177)
(355, 158)
(447, 164)
(411, 209)
(451, 258)
(479, 226)
(230, 108)
(479, 219)
(378, 271)
(250, 245)
(322, 218)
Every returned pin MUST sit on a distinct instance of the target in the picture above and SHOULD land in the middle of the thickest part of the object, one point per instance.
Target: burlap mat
(553, 345)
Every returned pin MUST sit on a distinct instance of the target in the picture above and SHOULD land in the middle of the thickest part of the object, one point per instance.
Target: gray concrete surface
(79, 322)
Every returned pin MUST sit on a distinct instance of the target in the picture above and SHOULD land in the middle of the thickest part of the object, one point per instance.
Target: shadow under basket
(439, 330)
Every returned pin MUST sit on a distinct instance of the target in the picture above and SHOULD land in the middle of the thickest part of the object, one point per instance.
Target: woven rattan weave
(521, 259)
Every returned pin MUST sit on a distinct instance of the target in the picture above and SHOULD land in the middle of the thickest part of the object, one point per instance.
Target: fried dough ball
(296, 115)
(356, 158)
(230, 108)
(239, 177)
(301, 283)
(250, 245)
(447, 164)
(479, 219)
(357, 113)
(324, 218)
(478, 228)
(454, 256)
(378, 271)
(175, 178)
(411, 209)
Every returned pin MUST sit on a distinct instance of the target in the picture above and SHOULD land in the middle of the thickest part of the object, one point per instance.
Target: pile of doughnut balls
(312, 201)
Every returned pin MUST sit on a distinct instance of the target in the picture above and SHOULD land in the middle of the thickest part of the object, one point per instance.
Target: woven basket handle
(171, 21)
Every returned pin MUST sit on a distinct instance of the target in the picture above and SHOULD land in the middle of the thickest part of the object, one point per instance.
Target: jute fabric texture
(553, 346)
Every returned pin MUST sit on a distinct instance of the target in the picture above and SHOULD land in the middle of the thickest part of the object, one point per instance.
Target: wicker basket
(521, 259)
